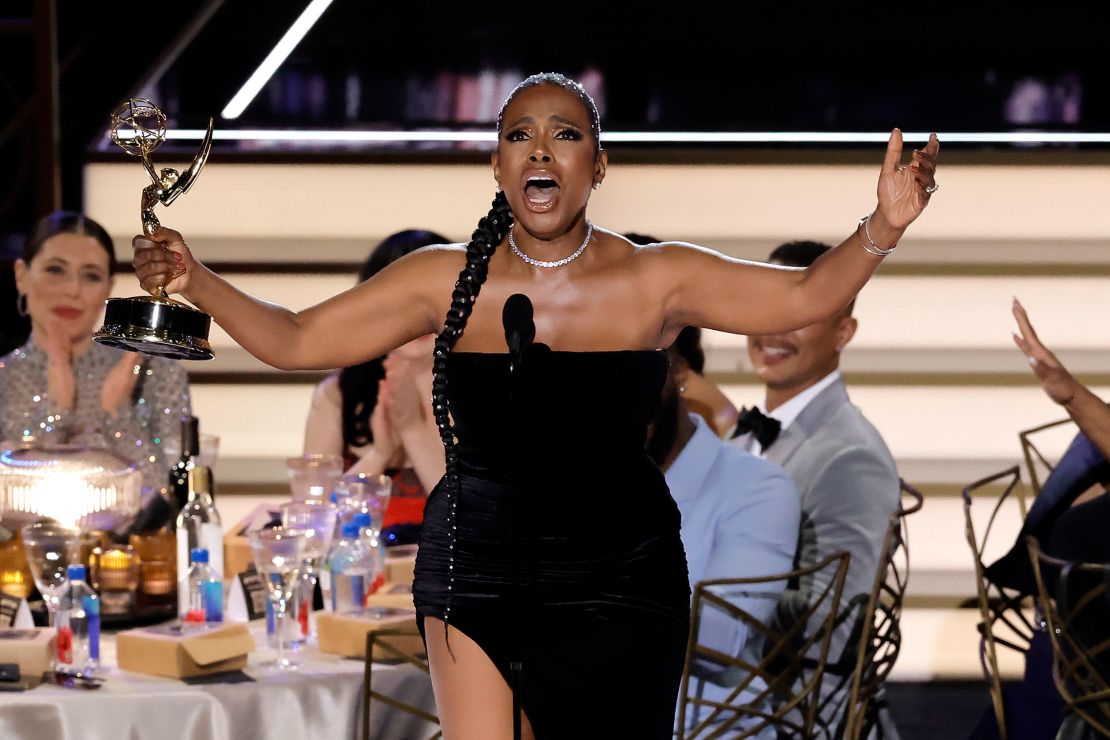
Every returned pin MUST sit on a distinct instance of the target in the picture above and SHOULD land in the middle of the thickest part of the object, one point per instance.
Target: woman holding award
(547, 369)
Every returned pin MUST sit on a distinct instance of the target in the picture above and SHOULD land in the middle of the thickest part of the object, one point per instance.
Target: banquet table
(322, 699)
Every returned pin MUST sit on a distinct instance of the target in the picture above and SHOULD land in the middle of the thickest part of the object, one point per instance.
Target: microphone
(516, 318)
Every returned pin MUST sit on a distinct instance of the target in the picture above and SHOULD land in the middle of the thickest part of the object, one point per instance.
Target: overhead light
(274, 59)
(650, 137)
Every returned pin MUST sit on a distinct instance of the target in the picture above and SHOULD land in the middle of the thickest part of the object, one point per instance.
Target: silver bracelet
(870, 245)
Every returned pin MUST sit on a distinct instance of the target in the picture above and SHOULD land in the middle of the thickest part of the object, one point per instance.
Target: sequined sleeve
(27, 413)
(136, 432)
(160, 399)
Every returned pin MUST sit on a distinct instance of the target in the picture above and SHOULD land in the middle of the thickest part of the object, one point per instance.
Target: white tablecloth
(320, 700)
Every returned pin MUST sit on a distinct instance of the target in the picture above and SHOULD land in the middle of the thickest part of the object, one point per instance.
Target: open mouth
(541, 191)
(771, 354)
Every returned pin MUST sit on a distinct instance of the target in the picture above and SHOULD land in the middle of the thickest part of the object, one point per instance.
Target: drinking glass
(317, 521)
(278, 554)
(50, 548)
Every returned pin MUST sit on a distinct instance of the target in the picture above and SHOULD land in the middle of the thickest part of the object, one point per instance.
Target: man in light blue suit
(740, 518)
(843, 470)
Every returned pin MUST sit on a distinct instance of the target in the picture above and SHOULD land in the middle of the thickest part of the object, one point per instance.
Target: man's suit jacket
(848, 484)
(849, 488)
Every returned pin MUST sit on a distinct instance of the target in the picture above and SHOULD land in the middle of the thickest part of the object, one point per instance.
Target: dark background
(688, 66)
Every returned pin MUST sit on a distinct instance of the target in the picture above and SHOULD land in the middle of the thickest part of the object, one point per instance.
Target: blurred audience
(378, 415)
(740, 518)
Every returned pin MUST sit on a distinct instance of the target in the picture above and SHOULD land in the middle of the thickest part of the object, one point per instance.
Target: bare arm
(323, 429)
(707, 289)
(398, 304)
(1089, 412)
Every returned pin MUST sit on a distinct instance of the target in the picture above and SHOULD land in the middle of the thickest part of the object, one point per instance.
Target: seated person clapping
(740, 517)
(378, 415)
(61, 387)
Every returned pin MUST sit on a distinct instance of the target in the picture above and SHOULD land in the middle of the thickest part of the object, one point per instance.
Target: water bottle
(371, 538)
(204, 591)
(198, 526)
(78, 624)
(350, 569)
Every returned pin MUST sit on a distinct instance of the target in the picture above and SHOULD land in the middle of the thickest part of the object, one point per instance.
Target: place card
(15, 612)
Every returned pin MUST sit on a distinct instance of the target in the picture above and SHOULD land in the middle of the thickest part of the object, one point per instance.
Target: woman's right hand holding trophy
(163, 261)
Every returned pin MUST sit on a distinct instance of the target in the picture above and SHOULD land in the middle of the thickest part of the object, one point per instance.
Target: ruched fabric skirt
(586, 589)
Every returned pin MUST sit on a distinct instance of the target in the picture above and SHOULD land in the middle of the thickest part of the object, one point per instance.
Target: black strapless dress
(567, 556)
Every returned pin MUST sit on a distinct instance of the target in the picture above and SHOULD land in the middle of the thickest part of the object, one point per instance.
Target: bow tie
(764, 428)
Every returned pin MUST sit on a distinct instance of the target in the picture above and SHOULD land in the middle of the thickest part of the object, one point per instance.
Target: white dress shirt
(789, 411)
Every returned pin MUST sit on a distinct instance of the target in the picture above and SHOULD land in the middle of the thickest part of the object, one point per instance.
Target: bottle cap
(198, 555)
(350, 531)
(77, 572)
(362, 519)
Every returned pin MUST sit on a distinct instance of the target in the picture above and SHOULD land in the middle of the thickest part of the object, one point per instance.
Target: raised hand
(404, 398)
(386, 441)
(904, 190)
(1055, 379)
(119, 383)
(61, 385)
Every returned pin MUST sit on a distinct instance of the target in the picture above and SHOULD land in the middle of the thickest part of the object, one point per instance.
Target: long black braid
(491, 230)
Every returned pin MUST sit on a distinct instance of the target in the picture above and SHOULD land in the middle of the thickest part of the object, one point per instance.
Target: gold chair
(1003, 620)
(1035, 461)
(1075, 602)
(382, 642)
(881, 637)
(775, 680)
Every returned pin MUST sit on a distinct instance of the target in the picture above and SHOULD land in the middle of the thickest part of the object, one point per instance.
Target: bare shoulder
(328, 389)
(672, 252)
(619, 247)
(677, 257)
(427, 268)
(659, 261)
(435, 256)
(669, 256)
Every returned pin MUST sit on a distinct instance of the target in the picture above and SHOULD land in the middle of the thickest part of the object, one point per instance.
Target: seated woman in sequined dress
(63, 388)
